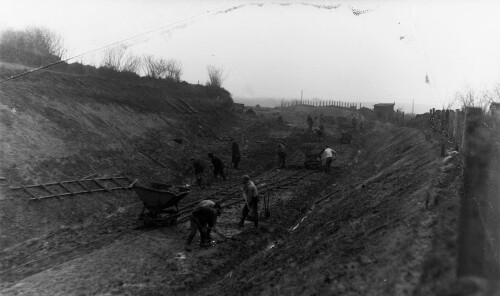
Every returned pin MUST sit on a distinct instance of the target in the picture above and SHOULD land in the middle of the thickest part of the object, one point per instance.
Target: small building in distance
(250, 112)
(495, 113)
(384, 110)
(495, 110)
(239, 108)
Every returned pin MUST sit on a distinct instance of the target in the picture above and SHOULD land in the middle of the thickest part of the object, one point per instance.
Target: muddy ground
(388, 228)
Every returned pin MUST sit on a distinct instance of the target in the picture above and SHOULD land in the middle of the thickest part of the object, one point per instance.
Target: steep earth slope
(58, 126)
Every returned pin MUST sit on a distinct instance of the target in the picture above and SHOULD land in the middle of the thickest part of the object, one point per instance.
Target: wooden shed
(384, 110)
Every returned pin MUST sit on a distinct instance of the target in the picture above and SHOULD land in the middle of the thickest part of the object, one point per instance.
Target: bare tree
(113, 57)
(469, 97)
(174, 70)
(215, 76)
(155, 67)
(49, 40)
(118, 59)
(32, 46)
(132, 63)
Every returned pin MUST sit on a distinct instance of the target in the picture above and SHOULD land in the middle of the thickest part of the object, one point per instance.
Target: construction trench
(382, 223)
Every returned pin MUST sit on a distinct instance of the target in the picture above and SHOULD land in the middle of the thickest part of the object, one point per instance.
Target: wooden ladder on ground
(75, 187)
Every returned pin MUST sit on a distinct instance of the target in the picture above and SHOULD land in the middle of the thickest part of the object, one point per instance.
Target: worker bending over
(251, 197)
(327, 155)
(198, 167)
(218, 166)
(204, 218)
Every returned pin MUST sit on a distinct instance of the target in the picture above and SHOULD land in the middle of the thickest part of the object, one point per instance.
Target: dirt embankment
(56, 127)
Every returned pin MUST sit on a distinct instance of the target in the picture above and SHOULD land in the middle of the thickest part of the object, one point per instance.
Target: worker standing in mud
(354, 122)
(320, 131)
(235, 154)
(327, 155)
(281, 155)
(218, 166)
(203, 219)
(309, 122)
(251, 197)
(199, 168)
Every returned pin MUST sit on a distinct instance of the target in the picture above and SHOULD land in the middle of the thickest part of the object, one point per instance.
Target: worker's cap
(245, 177)
(192, 158)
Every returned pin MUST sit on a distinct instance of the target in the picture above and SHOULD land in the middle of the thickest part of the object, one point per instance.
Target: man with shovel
(203, 219)
(327, 155)
(251, 197)
(198, 167)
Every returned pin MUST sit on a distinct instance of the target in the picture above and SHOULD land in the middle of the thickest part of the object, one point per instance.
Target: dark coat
(198, 166)
(235, 152)
(217, 163)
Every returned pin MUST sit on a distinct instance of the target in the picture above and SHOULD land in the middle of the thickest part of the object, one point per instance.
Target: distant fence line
(323, 103)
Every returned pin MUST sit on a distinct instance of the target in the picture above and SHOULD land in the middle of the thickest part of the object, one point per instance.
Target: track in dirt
(228, 195)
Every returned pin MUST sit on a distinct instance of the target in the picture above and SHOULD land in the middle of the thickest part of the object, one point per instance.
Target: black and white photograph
(237, 147)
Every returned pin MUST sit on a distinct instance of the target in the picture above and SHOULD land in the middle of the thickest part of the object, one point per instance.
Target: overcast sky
(276, 49)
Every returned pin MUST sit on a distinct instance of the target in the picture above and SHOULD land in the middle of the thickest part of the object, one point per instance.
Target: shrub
(31, 47)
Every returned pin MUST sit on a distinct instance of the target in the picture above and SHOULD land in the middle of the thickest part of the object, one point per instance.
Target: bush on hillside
(161, 68)
(115, 74)
(31, 47)
(118, 59)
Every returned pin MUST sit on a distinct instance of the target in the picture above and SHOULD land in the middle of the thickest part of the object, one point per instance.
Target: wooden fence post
(460, 128)
(471, 237)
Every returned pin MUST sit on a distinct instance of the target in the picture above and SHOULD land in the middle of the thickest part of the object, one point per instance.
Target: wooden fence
(323, 103)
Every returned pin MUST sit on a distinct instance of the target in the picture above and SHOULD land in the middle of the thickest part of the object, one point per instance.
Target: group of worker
(198, 166)
(203, 219)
